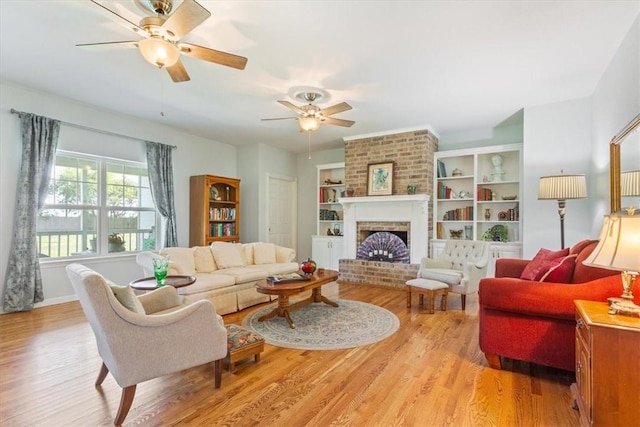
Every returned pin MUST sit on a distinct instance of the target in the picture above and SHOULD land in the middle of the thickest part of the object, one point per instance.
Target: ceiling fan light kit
(159, 52)
(310, 116)
(161, 45)
(308, 124)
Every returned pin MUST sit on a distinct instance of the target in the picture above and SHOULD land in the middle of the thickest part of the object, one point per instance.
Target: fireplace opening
(387, 246)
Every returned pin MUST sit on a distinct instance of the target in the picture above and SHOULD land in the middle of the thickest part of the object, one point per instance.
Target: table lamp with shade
(619, 249)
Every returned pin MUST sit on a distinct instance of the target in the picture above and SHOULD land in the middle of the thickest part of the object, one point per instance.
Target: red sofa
(535, 321)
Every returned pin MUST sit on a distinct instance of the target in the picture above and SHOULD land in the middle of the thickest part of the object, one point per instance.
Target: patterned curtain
(23, 282)
(160, 168)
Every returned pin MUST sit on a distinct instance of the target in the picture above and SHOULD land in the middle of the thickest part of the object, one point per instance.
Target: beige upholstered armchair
(461, 265)
(140, 338)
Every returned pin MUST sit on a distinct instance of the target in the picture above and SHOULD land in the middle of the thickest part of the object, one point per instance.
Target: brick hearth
(393, 275)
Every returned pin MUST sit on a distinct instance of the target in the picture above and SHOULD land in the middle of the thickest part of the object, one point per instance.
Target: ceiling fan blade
(334, 109)
(215, 56)
(108, 45)
(281, 118)
(121, 19)
(178, 73)
(185, 18)
(292, 107)
(338, 122)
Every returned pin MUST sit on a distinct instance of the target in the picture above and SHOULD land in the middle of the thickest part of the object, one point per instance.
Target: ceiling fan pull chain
(309, 133)
(161, 96)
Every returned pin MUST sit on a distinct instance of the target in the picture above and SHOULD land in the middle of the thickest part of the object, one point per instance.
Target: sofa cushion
(244, 274)
(248, 252)
(126, 297)
(277, 268)
(445, 275)
(228, 255)
(537, 263)
(584, 273)
(207, 282)
(182, 257)
(203, 259)
(264, 253)
(284, 254)
(559, 270)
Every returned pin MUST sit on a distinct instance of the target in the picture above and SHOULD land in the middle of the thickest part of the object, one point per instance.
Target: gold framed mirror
(614, 162)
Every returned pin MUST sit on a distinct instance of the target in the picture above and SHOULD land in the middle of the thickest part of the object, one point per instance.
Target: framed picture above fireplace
(380, 179)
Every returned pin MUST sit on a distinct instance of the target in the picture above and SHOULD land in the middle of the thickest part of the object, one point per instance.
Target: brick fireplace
(412, 154)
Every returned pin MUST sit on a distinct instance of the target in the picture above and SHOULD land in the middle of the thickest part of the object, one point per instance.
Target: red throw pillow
(537, 263)
(559, 270)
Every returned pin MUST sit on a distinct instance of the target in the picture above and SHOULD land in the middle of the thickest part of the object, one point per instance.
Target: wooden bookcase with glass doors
(214, 210)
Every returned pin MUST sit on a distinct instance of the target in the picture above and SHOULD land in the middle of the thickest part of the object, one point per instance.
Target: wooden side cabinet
(607, 387)
(214, 210)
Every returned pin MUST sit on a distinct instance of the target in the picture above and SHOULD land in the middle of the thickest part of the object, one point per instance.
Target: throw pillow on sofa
(203, 259)
(538, 262)
(559, 270)
(264, 253)
(228, 255)
(181, 259)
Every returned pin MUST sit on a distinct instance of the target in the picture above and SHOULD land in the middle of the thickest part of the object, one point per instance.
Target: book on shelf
(460, 214)
(484, 194)
(442, 172)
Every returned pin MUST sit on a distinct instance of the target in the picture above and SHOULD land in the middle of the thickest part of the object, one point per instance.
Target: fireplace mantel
(385, 199)
(412, 208)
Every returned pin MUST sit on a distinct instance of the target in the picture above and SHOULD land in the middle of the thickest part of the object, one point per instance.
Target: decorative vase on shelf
(487, 214)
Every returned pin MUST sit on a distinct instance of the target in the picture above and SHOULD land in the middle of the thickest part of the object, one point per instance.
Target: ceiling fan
(162, 32)
(310, 116)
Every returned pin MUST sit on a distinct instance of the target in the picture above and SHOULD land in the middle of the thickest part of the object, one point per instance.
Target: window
(97, 206)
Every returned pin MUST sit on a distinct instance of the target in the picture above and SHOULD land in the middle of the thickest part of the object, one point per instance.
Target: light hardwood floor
(429, 373)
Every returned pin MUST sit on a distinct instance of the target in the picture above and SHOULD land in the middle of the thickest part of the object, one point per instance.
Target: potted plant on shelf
(497, 233)
(116, 242)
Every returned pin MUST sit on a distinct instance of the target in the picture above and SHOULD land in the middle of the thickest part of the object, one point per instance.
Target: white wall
(195, 155)
(255, 163)
(577, 133)
(557, 138)
(615, 101)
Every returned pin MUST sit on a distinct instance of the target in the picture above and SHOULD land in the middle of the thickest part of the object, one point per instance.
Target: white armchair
(461, 265)
(160, 337)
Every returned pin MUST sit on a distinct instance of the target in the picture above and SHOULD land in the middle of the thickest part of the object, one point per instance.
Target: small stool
(242, 343)
(430, 288)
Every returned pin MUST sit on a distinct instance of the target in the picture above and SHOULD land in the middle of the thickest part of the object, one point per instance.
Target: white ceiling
(453, 65)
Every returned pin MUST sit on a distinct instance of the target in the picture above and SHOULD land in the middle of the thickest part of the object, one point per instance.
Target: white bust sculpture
(498, 172)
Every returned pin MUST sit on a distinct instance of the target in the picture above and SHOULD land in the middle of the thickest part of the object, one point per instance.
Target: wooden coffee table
(285, 290)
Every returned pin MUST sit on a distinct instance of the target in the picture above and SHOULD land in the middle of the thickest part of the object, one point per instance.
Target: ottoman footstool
(430, 288)
(242, 343)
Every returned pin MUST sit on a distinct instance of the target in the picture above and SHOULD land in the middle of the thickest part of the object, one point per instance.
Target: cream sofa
(226, 273)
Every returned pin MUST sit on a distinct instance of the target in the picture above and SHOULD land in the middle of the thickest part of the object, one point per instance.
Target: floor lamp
(561, 188)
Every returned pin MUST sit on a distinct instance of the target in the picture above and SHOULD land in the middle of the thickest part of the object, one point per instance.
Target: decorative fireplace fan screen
(383, 246)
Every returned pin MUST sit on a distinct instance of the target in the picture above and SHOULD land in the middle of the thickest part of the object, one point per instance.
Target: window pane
(131, 231)
(73, 182)
(128, 186)
(67, 232)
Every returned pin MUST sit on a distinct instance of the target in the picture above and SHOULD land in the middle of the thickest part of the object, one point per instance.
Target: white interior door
(282, 201)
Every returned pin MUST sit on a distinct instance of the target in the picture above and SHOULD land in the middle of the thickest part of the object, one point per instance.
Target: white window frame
(102, 208)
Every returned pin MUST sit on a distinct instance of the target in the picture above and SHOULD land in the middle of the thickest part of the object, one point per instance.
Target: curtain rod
(105, 132)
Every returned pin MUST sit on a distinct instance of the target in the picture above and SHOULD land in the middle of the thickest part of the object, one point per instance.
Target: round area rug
(322, 327)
